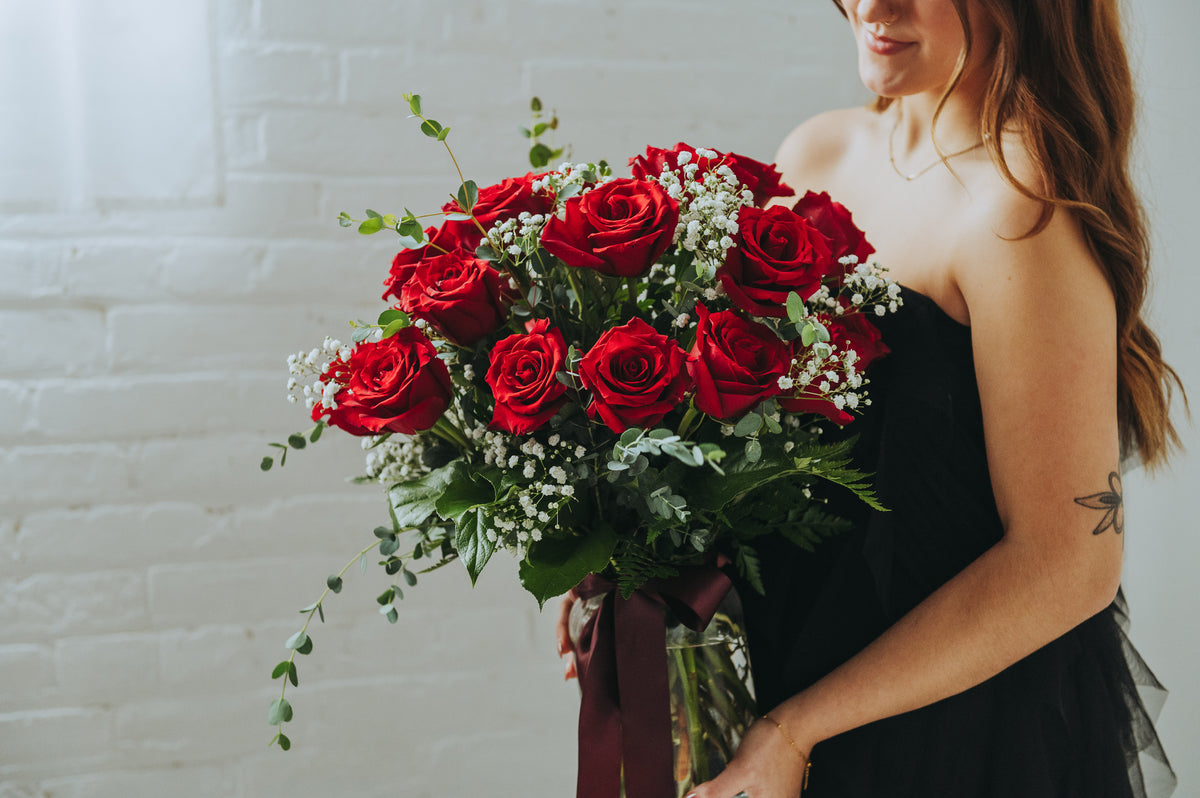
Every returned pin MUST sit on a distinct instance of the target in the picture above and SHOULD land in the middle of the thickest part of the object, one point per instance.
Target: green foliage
(555, 565)
(414, 501)
(279, 712)
(635, 565)
(471, 540)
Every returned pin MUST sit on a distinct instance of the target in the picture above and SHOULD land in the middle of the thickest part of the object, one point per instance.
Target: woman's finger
(562, 628)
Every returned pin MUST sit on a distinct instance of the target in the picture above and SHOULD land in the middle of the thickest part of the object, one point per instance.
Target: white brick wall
(149, 573)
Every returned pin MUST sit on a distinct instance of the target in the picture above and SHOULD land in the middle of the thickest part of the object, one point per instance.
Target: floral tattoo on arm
(1110, 502)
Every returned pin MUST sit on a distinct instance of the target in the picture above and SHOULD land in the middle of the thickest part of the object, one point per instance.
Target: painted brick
(26, 676)
(222, 727)
(29, 270)
(207, 270)
(69, 342)
(34, 476)
(106, 669)
(108, 270)
(368, 22)
(242, 139)
(17, 400)
(54, 737)
(100, 409)
(177, 782)
(47, 606)
(338, 141)
(257, 75)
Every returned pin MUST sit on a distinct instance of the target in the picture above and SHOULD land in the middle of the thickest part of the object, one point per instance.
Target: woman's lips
(882, 45)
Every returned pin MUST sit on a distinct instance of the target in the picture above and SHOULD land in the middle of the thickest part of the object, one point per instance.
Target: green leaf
(280, 669)
(555, 565)
(297, 441)
(389, 546)
(412, 502)
(392, 615)
(774, 426)
(371, 226)
(795, 307)
(395, 327)
(524, 131)
(279, 712)
(753, 450)
(808, 334)
(431, 128)
(291, 673)
(443, 133)
(410, 578)
(266, 463)
(315, 435)
(344, 219)
(297, 640)
(465, 491)
(540, 155)
(414, 104)
(748, 425)
(334, 582)
(471, 540)
(390, 220)
(748, 566)
(389, 316)
(383, 532)
(284, 743)
(361, 334)
(468, 195)
(373, 214)
(535, 105)
(306, 648)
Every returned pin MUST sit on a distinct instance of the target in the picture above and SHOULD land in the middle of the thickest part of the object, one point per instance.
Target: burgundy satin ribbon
(621, 658)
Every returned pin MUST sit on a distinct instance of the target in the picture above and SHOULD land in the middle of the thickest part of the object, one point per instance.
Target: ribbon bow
(621, 658)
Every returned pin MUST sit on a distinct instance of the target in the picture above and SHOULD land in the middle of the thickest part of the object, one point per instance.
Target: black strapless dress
(1068, 721)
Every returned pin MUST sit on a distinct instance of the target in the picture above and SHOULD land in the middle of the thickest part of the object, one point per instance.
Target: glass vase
(711, 691)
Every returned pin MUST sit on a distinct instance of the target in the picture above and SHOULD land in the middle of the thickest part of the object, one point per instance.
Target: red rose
(636, 376)
(776, 252)
(398, 384)
(765, 181)
(836, 224)
(523, 381)
(736, 363)
(508, 199)
(855, 331)
(405, 262)
(461, 295)
(812, 404)
(619, 228)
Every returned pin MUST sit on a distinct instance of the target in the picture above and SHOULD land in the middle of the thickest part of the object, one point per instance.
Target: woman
(966, 643)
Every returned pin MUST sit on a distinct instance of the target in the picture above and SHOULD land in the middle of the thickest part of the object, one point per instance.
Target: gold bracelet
(796, 748)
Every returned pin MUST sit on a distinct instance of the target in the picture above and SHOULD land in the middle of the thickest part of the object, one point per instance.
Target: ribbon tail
(646, 744)
(599, 774)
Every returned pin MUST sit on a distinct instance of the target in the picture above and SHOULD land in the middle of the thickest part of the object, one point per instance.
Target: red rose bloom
(619, 228)
(736, 363)
(461, 295)
(855, 331)
(522, 378)
(776, 252)
(836, 224)
(398, 384)
(507, 199)
(636, 376)
(405, 262)
(765, 181)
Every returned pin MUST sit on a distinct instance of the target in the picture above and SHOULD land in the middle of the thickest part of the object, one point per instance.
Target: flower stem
(685, 660)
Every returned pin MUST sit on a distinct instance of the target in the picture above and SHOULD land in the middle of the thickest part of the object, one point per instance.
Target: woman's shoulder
(815, 149)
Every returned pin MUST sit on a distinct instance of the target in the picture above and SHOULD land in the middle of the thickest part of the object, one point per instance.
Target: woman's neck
(958, 124)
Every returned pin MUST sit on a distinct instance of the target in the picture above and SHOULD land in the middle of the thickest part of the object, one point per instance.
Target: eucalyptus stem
(314, 609)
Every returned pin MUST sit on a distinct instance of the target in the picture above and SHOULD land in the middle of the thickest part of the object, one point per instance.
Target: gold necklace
(942, 160)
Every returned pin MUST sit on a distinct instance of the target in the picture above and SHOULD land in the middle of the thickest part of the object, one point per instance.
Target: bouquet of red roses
(602, 375)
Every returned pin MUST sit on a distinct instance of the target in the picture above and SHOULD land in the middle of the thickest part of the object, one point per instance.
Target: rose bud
(636, 376)
(398, 384)
(776, 252)
(523, 378)
(619, 228)
(736, 363)
(461, 295)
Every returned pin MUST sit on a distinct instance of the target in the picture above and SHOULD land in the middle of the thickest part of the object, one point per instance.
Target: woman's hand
(563, 634)
(767, 765)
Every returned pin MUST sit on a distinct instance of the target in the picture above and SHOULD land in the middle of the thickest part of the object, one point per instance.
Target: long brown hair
(1059, 73)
